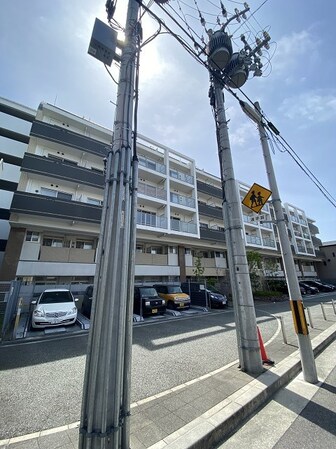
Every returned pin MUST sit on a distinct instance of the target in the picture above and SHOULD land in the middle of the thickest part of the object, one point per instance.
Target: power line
(277, 138)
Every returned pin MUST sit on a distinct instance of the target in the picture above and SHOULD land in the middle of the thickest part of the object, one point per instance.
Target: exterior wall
(326, 270)
(15, 124)
(179, 211)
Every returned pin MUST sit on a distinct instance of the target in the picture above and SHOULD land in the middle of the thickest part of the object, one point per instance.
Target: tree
(254, 261)
(198, 269)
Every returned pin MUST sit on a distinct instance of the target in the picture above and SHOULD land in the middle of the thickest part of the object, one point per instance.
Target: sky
(43, 57)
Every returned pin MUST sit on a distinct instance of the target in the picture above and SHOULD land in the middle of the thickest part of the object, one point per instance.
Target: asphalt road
(41, 382)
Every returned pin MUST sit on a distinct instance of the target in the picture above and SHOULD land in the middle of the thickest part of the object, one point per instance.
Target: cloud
(312, 106)
(290, 52)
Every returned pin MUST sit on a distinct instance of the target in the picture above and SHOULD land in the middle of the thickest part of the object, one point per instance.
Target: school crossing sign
(256, 197)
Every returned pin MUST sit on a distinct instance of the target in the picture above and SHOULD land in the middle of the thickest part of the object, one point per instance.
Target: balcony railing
(152, 165)
(68, 138)
(181, 176)
(182, 200)
(183, 226)
(153, 191)
(210, 211)
(212, 234)
(253, 240)
(268, 242)
(152, 221)
(209, 190)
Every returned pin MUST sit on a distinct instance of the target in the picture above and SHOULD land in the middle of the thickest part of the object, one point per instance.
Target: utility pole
(106, 393)
(300, 323)
(246, 324)
(231, 70)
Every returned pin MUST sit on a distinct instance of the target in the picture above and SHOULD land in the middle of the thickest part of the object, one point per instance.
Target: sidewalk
(200, 413)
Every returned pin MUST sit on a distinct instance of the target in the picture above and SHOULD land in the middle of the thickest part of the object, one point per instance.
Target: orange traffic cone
(264, 357)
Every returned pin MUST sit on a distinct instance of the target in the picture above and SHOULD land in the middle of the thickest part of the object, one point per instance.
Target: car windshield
(174, 289)
(213, 290)
(55, 297)
(148, 291)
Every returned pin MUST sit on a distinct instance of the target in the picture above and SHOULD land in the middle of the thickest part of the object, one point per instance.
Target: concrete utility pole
(106, 394)
(231, 70)
(300, 323)
(246, 324)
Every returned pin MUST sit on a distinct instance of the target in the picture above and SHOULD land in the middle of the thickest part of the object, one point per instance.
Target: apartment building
(56, 202)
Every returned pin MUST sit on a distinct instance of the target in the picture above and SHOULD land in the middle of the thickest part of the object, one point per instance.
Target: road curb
(222, 420)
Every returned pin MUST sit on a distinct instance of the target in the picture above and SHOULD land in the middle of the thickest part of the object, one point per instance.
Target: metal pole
(323, 311)
(284, 336)
(105, 406)
(305, 347)
(310, 317)
(246, 324)
(333, 304)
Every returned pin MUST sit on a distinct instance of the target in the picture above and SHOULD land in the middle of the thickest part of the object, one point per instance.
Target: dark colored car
(201, 296)
(217, 299)
(87, 301)
(310, 289)
(147, 302)
(321, 286)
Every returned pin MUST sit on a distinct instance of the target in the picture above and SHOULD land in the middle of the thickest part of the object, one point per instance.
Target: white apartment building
(54, 207)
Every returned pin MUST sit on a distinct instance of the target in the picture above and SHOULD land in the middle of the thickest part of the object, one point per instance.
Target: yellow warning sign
(256, 197)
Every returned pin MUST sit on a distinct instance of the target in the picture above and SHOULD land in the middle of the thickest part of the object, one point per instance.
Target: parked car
(310, 289)
(147, 301)
(87, 301)
(321, 286)
(54, 307)
(173, 295)
(201, 296)
(217, 299)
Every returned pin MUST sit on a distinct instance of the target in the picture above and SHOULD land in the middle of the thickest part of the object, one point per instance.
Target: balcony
(301, 249)
(152, 221)
(268, 242)
(212, 234)
(181, 176)
(316, 241)
(209, 190)
(303, 222)
(293, 218)
(33, 163)
(253, 240)
(151, 259)
(50, 254)
(183, 226)
(42, 205)
(154, 192)
(210, 211)
(313, 229)
(183, 200)
(68, 138)
(152, 165)
(310, 250)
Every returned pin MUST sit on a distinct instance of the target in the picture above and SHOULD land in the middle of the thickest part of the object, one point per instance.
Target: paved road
(41, 382)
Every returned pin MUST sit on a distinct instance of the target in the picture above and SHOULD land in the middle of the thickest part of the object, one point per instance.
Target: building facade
(53, 212)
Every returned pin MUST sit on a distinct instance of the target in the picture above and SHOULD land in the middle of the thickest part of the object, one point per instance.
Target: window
(54, 242)
(172, 250)
(56, 194)
(94, 201)
(139, 249)
(146, 218)
(32, 236)
(203, 226)
(82, 244)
